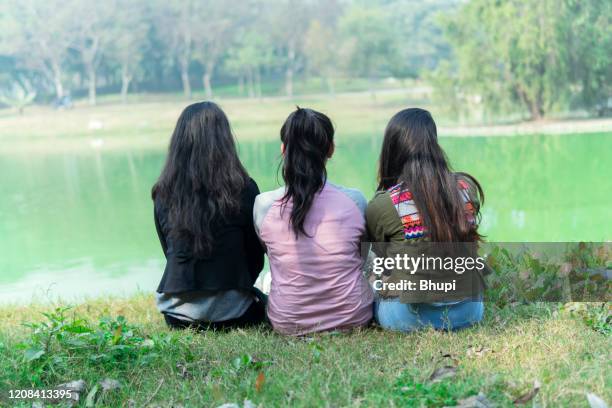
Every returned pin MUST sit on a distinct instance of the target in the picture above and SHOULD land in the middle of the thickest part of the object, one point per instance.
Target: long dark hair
(411, 155)
(308, 137)
(202, 178)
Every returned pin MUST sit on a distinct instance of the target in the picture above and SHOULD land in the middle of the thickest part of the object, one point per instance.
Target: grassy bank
(502, 358)
(147, 121)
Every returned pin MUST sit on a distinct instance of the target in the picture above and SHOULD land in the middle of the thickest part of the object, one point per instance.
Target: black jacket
(236, 259)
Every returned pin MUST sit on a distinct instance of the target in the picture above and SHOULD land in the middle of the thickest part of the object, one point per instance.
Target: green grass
(500, 358)
(146, 122)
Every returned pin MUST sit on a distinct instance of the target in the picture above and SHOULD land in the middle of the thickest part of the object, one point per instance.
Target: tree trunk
(125, 83)
(330, 86)
(536, 110)
(57, 81)
(208, 91)
(289, 82)
(250, 82)
(185, 79)
(91, 78)
(241, 84)
(89, 56)
(258, 82)
(371, 87)
(289, 71)
(536, 106)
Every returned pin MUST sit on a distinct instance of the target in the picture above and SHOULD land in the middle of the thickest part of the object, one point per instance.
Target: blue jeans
(391, 314)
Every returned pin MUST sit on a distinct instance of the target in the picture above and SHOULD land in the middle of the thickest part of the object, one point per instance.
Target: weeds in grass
(581, 273)
(597, 316)
(414, 393)
(61, 341)
(246, 362)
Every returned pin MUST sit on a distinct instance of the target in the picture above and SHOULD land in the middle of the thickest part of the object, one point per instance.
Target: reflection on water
(81, 224)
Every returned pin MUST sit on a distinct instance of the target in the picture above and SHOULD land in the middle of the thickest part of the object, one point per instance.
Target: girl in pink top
(312, 231)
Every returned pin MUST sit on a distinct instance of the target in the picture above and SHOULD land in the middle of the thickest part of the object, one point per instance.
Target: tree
(590, 48)
(419, 40)
(320, 51)
(217, 23)
(250, 53)
(177, 22)
(252, 48)
(19, 95)
(321, 42)
(526, 55)
(39, 39)
(129, 40)
(289, 22)
(368, 42)
(91, 29)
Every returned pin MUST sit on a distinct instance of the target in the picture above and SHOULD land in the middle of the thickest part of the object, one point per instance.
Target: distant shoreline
(549, 127)
(93, 144)
(147, 124)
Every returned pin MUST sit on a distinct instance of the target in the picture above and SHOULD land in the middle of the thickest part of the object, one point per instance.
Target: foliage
(250, 53)
(597, 316)
(553, 57)
(420, 389)
(320, 49)
(532, 56)
(159, 44)
(590, 43)
(19, 95)
(418, 38)
(523, 275)
(368, 40)
(59, 342)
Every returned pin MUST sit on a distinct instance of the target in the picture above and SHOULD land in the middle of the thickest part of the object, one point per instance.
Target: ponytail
(308, 139)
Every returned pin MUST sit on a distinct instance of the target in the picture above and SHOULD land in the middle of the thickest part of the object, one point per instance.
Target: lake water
(75, 225)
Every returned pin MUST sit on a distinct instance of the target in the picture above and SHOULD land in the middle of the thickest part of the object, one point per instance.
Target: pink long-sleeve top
(317, 283)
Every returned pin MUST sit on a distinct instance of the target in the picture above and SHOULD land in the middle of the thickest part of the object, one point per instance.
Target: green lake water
(75, 225)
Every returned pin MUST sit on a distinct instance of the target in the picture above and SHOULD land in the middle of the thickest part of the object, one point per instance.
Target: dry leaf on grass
(478, 351)
(442, 373)
(528, 396)
(183, 372)
(259, 382)
(449, 357)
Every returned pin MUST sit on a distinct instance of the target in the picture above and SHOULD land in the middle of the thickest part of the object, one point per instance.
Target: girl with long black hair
(419, 200)
(312, 231)
(204, 219)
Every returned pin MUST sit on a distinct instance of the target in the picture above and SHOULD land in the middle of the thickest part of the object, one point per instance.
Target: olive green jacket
(386, 233)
